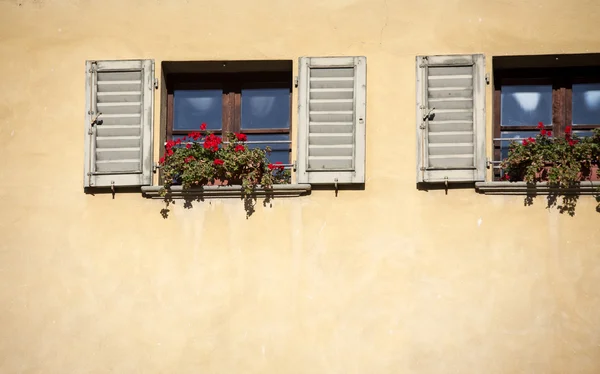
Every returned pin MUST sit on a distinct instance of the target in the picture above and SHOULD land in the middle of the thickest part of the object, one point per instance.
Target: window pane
(517, 136)
(193, 107)
(586, 104)
(526, 105)
(266, 108)
(583, 133)
(280, 151)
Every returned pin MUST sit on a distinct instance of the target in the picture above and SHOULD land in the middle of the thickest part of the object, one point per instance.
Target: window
(556, 90)
(249, 97)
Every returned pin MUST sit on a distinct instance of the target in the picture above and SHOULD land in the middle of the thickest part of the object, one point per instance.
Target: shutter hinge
(488, 163)
(423, 168)
(155, 167)
(94, 67)
(156, 83)
(487, 78)
(296, 81)
(294, 165)
(423, 64)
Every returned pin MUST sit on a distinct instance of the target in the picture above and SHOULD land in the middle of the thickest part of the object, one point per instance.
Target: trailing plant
(202, 158)
(560, 161)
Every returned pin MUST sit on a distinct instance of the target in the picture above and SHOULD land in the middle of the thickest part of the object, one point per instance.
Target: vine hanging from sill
(202, 159)
(562, 162)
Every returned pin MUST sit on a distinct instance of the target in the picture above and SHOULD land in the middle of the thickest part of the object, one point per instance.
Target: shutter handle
(429, 115)
(95, 120)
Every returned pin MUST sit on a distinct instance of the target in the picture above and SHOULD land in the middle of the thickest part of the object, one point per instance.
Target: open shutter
(118, 127)
(332, 118)
(451, 118)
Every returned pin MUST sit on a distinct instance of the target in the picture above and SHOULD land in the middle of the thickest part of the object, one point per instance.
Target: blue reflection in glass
(526, 105)
(265, 108)
(586, 104)
(517, 136)
(280, 152)
(193, 107)
(583, 133)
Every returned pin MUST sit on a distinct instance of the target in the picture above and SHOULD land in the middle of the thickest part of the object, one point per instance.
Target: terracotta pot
(218, 182)
(590, 174)
(586, 174)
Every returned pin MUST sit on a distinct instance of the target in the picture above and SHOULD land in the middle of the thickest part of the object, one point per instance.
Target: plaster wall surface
(384, 280)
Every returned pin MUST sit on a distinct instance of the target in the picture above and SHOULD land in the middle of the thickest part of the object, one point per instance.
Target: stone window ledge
(177, 192)
(542, 188)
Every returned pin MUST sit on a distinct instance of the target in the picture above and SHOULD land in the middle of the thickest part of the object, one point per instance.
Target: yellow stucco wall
(385, 280)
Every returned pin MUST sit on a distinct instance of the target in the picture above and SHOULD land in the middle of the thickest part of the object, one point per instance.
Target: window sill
(177, 192)
(542, 188)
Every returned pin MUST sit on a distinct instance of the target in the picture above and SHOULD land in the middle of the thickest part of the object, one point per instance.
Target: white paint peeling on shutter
(332, 119)
(118, 146)
(451, 140)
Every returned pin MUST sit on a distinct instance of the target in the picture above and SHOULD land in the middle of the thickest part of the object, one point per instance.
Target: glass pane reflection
(193, 107)
(586, 104)
(517, 136)
(265, 108)
(280, 152)
(526, 105)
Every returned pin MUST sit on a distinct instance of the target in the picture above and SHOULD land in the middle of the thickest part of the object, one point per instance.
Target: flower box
(560, 161)
(204, 159)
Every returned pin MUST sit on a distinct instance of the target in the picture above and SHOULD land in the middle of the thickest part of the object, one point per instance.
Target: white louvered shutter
(451, 140)
(118, 146)
(332, 118)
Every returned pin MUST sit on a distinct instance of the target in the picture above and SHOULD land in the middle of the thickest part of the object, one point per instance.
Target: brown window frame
(561, 79)
(232, 85)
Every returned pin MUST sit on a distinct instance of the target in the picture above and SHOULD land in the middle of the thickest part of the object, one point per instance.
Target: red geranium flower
(241, 137)
(188, 146)
(161, 161)
(506, 177)
(525, 143)
(540, 125)
(218, 161)
(543, 132)
(271, 166)
(203, 126)
(568, 130)
(278, 165)
(549, 133)
(239, 148)
(212, 142)
(531, 140)
(188, 159)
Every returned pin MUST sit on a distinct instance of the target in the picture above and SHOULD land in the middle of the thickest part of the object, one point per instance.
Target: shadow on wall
(426, 187)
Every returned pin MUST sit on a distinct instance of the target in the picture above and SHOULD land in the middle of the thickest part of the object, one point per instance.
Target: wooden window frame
(232, 85)
(561, 79)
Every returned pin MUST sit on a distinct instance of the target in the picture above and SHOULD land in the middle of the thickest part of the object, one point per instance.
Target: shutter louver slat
(111, 151)
(451, 142)
(332, 117)
(444, 154)
(337, 108)
(122, 96)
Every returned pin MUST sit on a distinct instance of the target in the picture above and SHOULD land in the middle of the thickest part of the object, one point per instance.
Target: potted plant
(201, 158)
(559, 161)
